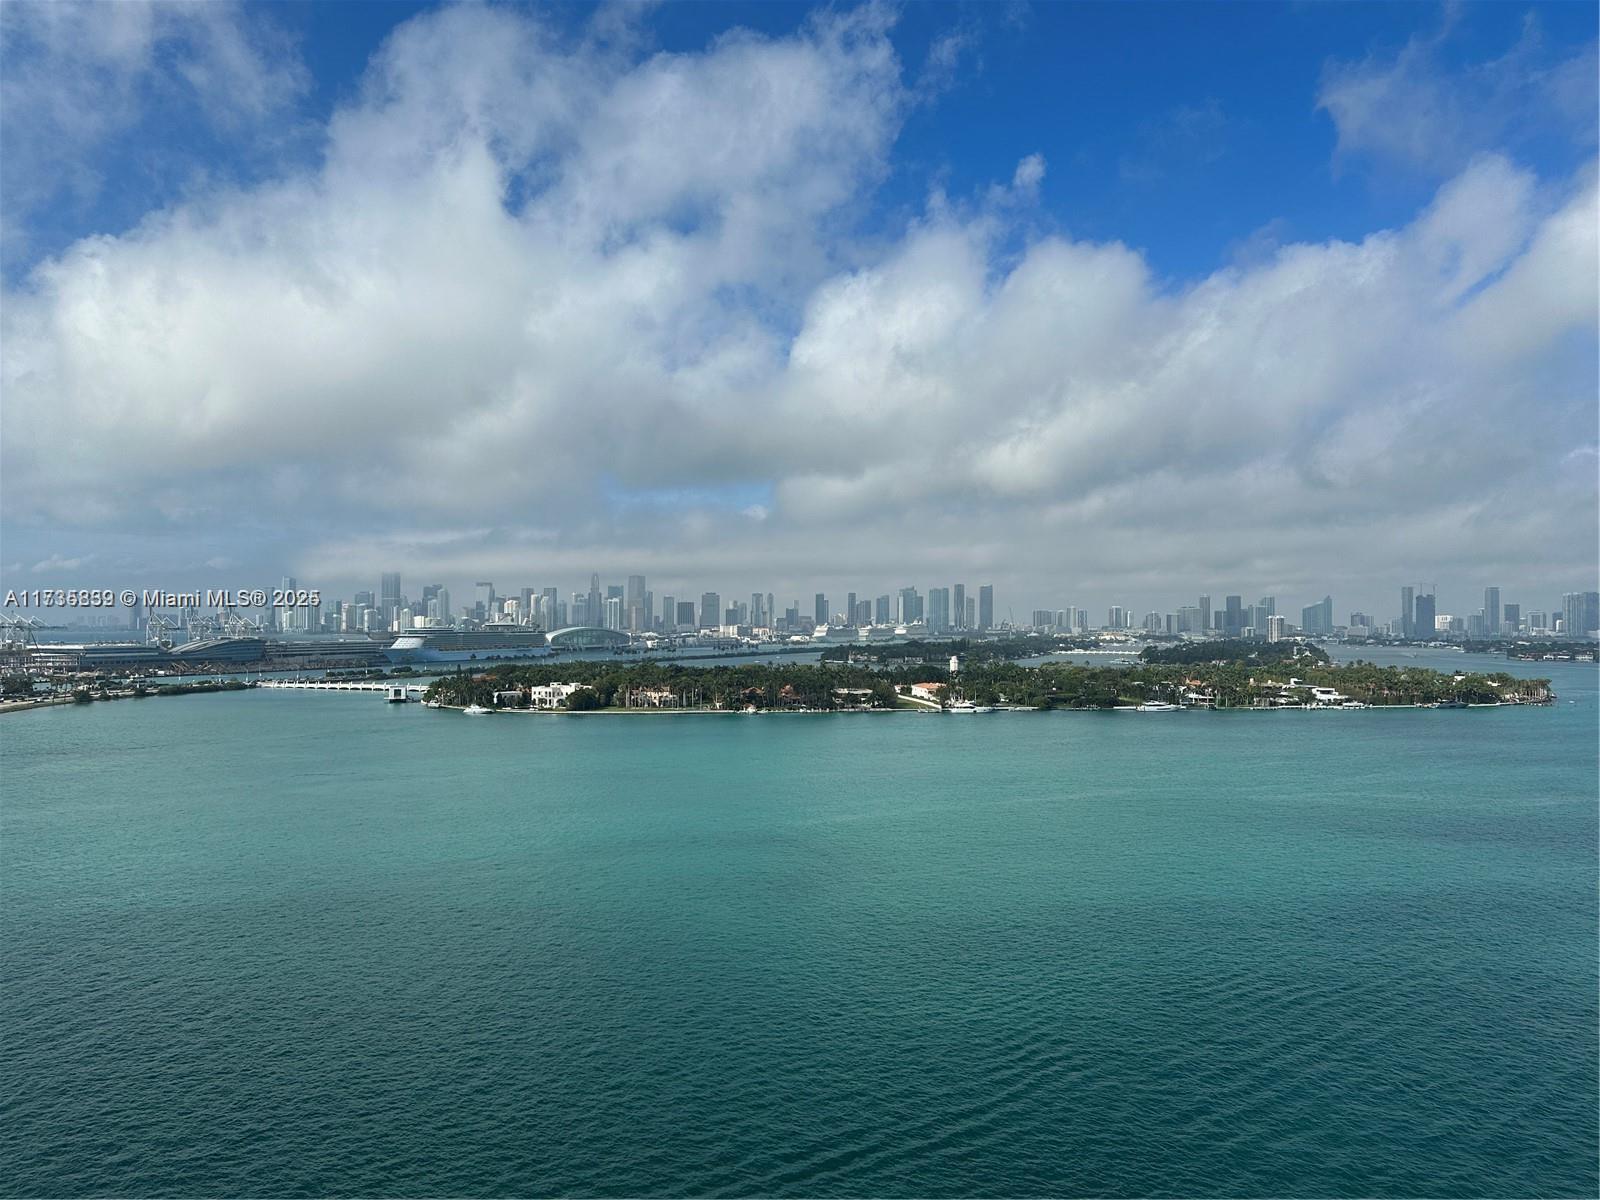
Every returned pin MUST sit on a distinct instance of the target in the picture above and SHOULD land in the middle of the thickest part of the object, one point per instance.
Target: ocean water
(289, 944)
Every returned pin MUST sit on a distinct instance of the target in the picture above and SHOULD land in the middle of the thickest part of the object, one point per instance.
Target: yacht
(1158, 706)
(477, 710)
(967, 706)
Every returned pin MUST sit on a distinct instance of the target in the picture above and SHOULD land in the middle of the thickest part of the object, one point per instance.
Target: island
(939, 676)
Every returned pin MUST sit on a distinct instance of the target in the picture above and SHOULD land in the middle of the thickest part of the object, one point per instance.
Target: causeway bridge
(370, 685)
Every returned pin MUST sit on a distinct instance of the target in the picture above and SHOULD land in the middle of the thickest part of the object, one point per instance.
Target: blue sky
(1183, 129)
(808, 301)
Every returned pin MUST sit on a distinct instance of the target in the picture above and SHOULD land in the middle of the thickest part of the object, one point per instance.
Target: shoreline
(1006, 708)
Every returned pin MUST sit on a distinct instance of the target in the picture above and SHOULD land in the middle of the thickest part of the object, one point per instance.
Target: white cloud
(78, 74)
(1407, 109)
(510, 292)
(61, 562)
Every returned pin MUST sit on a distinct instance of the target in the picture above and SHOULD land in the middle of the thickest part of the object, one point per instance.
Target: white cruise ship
(467, 645)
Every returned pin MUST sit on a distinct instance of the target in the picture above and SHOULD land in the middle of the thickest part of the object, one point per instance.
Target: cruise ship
(467, 645)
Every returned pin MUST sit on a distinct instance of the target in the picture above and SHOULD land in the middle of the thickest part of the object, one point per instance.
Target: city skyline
(635, 607)
(471, 289)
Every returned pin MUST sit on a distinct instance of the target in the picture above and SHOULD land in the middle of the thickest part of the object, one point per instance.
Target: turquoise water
(304, 943)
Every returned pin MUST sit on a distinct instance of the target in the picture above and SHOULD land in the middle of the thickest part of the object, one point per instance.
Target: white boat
(477, 710)
(1158, 706)
(967, 706)
(492, 641)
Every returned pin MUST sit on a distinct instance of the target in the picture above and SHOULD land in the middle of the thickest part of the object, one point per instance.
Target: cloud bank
(544, 305)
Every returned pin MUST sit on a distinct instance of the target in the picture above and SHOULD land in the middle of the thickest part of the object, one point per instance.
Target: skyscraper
(1205, 613)
(1318, 618)
(1422, 616)
(1580, 613)
(638, 615)
(389, 597)
(821, 609)
(710, 610)
(1408, 613)
(938, 610)
(986, 606)
(1491, 610)
(1233, 616)
(958, 606)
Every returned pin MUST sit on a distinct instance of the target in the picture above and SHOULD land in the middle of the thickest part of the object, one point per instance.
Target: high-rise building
(1423, 613)
(1491, 610)
(595, 614)
(971, 619)
(1318, 618)
(389, 596)
(1205, 612)
(635, 604)
(1275, 628)
(438, 605)
(880, 614)
(1115, 619)
(613, 611)
(908, 606)
(938, 610)
(686, 613)
(958, 606)
(1511, 619)
(986, 606)
(1233, 616)
(669, 614)
(1408, 613)
(821, 609)
(1580, 612)
(710, 610)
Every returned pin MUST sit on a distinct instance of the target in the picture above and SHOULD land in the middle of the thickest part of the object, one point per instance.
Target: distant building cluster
(1578, 616)
(613, 615)
(632, 608)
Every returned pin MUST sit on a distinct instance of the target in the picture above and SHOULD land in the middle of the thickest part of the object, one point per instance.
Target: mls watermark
(159, 598)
